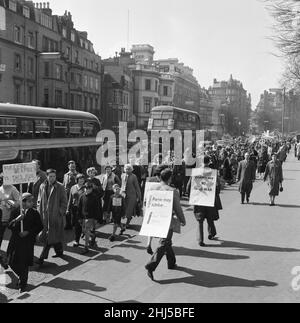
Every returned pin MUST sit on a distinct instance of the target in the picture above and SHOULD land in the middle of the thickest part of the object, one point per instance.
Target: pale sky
(214, 37)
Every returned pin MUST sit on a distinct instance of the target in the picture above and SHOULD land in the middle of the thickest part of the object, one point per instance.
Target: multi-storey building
(235, 105)
(45, 61)
(276, 106)
(117, 93)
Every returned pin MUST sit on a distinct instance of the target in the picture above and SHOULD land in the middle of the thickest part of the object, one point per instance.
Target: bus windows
(60, 129)
(90, 129)
(42, 129)
(75, 129)
(8, 128)
(26, 129)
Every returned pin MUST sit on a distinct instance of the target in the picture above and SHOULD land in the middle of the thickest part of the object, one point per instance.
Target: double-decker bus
(172, 118)
(53, 136)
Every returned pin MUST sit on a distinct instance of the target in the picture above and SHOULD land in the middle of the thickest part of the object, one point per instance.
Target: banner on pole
(203, 187)
(158, 215)
(16, 174)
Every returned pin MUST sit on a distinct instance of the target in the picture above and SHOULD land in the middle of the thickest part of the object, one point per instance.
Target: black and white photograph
(150, 154)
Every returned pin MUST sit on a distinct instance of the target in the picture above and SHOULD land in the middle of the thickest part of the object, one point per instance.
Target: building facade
(235, 106)
(46, 61)
(117, 93)
(276, 106)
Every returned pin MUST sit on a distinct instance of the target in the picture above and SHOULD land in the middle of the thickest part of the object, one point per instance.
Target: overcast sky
(214, 37)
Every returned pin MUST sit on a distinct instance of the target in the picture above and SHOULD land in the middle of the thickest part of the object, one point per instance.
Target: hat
(26, 196)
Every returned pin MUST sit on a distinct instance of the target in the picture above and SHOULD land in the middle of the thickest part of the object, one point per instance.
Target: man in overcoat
(52, 206)
(246, 176)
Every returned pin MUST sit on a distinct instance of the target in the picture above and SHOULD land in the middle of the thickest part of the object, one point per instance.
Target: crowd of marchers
(85, 201)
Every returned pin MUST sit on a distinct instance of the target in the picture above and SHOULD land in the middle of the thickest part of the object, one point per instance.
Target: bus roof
(13, 110)
(171, 108)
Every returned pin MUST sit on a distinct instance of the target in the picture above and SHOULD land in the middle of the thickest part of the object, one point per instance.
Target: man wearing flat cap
(25, 228)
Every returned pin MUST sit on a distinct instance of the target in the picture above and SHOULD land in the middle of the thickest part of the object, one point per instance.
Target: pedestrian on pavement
(117, 209)
(108, 180)
(20, 252)
(131, 191)
(165, 245)
(246, 176)
(41, 177)
(98, 190)
(68, 183)
(72, 209)
(9, 200)
(210, 214)
(52, 206)
(274, 175)
(155, 179)
(88, 213)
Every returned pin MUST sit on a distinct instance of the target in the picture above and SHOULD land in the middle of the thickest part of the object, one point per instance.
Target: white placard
(203, 187)
(149, 187)
(158, 215)
(19, 174)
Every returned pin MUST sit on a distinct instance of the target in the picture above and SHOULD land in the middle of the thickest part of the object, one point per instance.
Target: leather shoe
(175, 267)
(202, 244)
(150, 274)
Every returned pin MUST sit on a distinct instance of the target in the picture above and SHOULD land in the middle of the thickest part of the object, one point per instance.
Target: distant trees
(286, 14)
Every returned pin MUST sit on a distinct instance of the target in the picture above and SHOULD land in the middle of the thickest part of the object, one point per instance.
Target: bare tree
(286, 14)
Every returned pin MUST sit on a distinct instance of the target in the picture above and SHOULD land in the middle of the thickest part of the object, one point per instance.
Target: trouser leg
(212, 231)
(45, 252)
(170, 254)
(78, 231)
(243, 195)
(160, 252)
(200, 230)
(58, 247)
(23, 276)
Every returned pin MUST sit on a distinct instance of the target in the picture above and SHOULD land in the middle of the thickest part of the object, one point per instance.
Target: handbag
(281, 189)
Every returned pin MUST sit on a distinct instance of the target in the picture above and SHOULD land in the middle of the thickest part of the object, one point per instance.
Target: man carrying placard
(165, 245)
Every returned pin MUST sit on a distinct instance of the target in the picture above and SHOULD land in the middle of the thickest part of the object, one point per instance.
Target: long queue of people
(82, 201)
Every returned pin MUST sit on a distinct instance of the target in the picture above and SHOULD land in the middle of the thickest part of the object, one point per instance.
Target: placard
(158, 215)
(19, 174)
(203, 187)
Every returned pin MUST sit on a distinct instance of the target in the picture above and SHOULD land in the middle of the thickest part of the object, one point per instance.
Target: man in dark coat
(211, 214)
(165, 245)
(246, 177)
(20, 250)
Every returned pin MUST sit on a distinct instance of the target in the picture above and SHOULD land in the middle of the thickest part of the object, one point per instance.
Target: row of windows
(120, 98)
(30, 98)
(20, 38)
(15, 128)
(77, 101)
(30, 66)
(75, 78)
(163, 90)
